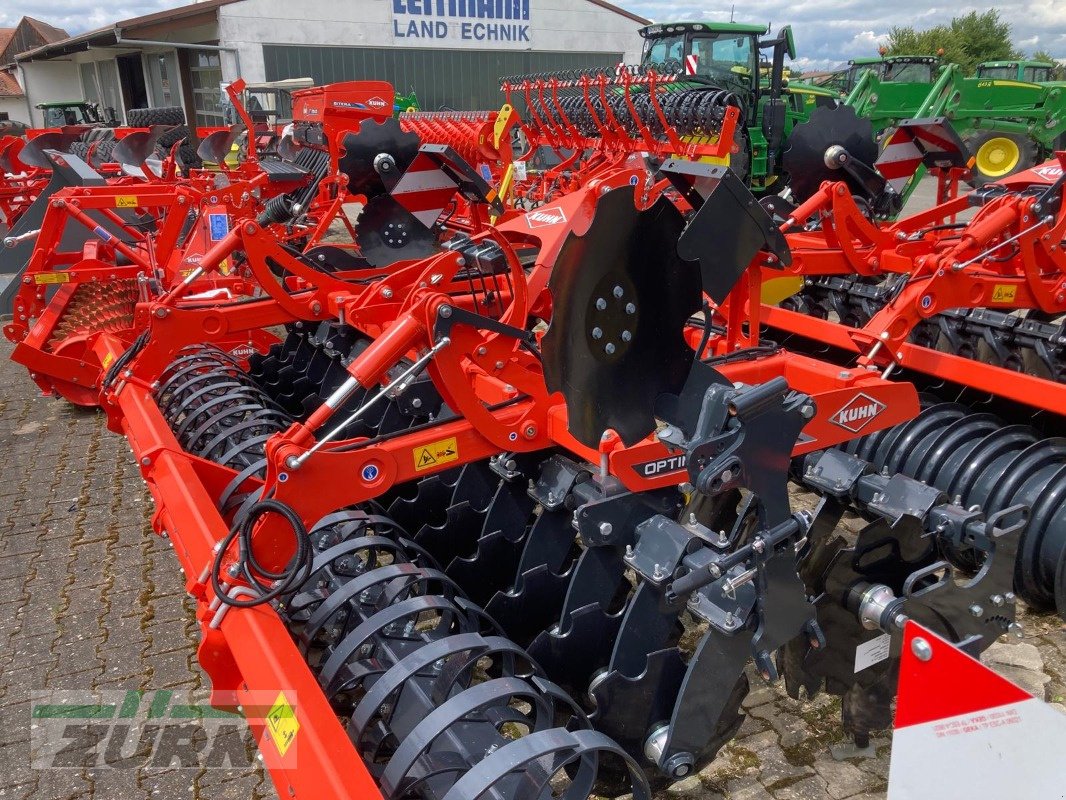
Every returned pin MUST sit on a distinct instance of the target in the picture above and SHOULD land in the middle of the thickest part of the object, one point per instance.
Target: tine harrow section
(974, 309)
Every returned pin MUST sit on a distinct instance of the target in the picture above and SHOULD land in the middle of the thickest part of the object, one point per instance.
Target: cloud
(77, 16)
(828, 32)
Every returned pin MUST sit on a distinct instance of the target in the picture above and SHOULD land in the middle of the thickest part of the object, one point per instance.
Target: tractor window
(724, 54)
(909, 72)
(1037, 74)
(856, 71)
(664, 49)
(998, 73)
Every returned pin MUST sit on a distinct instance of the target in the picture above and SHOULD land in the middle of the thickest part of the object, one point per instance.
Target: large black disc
(386, 232)
(804, 159)
(376, 156)
(621, 296)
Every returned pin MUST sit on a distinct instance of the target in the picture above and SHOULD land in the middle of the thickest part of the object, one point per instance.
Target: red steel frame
(477, 369)
(947, 268)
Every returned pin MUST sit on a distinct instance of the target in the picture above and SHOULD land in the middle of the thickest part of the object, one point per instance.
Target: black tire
(146, 117)
(188, 158)
(1027, 154)
(103, 151)
(80, 149)
(98, 135)
(173, 135)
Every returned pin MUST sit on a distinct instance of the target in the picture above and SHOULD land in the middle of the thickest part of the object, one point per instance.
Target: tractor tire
(146, 117)
(104, 149)
(80, 149)
(188, 158)
(997, 155)
(174, 135)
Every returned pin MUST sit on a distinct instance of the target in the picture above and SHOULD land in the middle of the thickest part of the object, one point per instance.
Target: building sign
(492, 22)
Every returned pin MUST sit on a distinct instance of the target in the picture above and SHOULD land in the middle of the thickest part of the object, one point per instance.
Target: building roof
(9, 87)
(110, 35)
(103, 37)
(49, 33)
(620, 10)
(6, 35)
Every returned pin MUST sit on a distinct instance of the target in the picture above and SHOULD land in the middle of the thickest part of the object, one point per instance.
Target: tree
(967, 40)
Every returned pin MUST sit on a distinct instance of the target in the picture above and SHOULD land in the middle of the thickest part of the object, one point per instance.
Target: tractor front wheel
(997, 155)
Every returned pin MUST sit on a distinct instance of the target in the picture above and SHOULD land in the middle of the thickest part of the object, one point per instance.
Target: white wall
(554, 25)
(49, 81)
(15, 108)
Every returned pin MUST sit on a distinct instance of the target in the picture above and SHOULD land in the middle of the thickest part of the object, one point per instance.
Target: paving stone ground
(94, 600)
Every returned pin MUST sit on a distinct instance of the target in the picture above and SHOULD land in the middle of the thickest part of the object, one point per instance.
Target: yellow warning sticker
(51, 277)
(125, 201)
(436, 453)
(108, 359)
(281, 723)
(1004, 293)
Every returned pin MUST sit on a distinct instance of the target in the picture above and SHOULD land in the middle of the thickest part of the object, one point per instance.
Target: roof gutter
(120, 40)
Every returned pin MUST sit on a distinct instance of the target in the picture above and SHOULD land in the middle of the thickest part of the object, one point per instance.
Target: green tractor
(1009, 119)
(902, 82)
(728, 55)
(66, 113)
(1027, 71)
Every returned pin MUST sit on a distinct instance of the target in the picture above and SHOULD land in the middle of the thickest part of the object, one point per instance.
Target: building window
(205, 69)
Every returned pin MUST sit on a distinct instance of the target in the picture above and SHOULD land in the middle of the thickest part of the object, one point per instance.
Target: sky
(827, 32)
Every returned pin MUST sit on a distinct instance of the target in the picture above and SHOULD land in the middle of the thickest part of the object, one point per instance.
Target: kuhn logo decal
(543, 217)
(375, 102)
(1049, 172)
(660, 466)
(242, 351)
(857, 413)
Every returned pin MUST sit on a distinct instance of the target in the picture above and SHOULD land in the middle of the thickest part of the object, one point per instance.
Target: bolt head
(922, 650)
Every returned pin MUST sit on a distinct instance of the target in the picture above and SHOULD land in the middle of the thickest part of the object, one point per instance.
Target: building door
(90, 86)
(205, 72)
(163, 78)
(131, 76)
(108, 86)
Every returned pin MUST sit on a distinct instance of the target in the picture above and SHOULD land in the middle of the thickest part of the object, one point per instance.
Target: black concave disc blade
(360, 150)
(386, 232)
(621, 296)
(804, 159)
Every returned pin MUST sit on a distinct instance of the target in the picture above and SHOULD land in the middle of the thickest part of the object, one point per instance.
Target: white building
(450, 52)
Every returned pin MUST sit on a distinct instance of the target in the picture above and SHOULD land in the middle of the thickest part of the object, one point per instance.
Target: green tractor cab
(1026, 71)
(64, 113)
(728, 55)
(897, 69)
